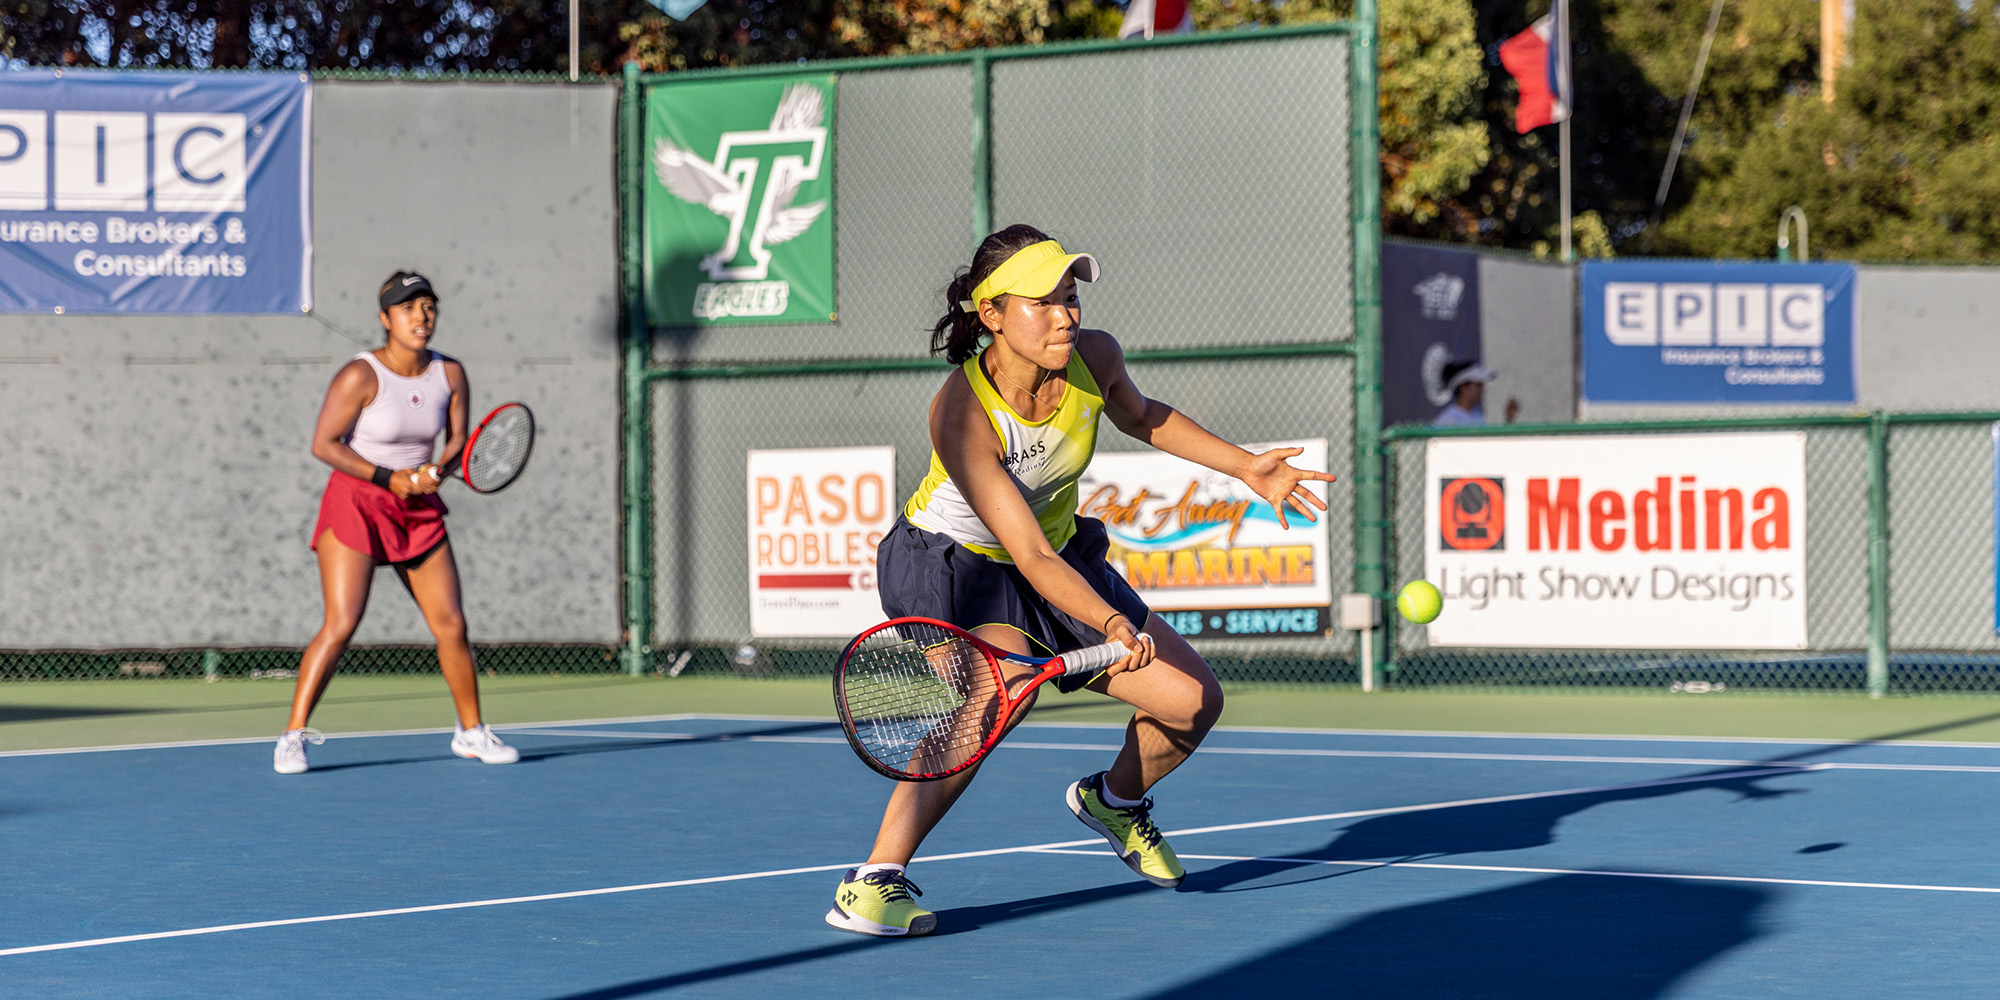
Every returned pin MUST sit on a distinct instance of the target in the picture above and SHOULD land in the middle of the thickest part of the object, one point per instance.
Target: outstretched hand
(1282, 486)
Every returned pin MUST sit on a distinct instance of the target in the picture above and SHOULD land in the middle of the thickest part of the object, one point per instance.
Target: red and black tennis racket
(497, 451)
(920, 699)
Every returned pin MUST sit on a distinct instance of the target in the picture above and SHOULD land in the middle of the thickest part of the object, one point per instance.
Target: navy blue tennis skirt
(923, 574)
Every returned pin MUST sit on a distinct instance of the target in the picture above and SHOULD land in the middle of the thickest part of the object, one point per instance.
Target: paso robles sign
(1620, 541)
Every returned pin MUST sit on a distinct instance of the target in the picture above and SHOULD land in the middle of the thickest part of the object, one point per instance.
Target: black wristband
(382, 476)
(1107, 622)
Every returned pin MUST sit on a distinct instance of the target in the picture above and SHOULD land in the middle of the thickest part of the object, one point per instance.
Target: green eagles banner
(739, 202)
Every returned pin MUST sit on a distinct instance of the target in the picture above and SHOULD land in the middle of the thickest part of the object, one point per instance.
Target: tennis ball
(1419, 602)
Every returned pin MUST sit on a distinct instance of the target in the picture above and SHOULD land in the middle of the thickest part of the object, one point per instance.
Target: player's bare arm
(1269, 474)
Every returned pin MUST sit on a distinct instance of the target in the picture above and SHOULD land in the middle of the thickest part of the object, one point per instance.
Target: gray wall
(158, 487)
(1527, 332)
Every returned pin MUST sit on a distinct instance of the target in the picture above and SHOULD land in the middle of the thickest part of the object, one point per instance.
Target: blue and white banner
(1725, 332)
(154, 192)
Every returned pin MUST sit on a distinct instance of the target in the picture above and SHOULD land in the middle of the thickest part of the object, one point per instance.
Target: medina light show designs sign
(816, 516)
(739, 202)
(1205, 552)
(1620, 541)
(154, 192)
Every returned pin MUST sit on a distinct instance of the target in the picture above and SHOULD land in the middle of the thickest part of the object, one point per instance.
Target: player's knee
(339, 627)
(1207, 709)
(448, 627)
(1194, 709)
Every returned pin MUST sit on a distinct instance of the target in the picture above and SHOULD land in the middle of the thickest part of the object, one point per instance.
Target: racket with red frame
(920, 699)
(497, 451)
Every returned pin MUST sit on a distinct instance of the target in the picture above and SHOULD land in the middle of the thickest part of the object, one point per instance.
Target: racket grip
(1094, 658)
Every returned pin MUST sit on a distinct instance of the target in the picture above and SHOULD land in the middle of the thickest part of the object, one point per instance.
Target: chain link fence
(1217, 204)
(1940, 576)
(283, 664)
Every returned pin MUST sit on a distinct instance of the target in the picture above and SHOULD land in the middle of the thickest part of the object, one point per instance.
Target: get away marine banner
(739, 202)
(154, 192)
(1649, 541)
(1205, 552)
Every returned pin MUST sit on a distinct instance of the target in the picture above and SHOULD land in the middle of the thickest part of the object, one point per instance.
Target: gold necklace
(1034, 394)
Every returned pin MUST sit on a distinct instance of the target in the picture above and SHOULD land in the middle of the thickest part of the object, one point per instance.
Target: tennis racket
(497, 451)
(920, 699)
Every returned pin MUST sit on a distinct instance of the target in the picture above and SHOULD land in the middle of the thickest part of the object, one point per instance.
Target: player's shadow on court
(1478, 828)
(1564, 936)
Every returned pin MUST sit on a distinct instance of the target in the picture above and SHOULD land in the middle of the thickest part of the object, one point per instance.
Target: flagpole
(1562, 134)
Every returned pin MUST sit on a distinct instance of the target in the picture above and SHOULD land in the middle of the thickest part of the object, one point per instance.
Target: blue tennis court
(695, 857)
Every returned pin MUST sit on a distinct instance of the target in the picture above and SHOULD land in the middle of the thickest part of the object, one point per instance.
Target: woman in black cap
(377, 428)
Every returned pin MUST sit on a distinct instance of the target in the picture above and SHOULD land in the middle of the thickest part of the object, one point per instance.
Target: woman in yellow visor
(991, 541)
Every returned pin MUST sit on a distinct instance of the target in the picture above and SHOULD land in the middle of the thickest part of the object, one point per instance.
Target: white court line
(1295, 752)
(1025, 849)
(1385, 733)
(1514, 869)
(544, 730)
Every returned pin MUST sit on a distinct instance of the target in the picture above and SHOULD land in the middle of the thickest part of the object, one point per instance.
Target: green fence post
(1878, 554)
(211, 665)
(1365, 199)
(982, 147)
(635, 509)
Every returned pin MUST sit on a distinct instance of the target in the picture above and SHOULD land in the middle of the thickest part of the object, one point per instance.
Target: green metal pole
(1878, 554)
(1365, 198)
(636, 510)
(982, 147)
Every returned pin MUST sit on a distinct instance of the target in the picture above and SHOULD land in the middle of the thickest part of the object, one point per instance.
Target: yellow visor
(1034, 271)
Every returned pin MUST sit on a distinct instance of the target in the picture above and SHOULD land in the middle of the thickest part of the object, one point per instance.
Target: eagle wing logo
(724, 185)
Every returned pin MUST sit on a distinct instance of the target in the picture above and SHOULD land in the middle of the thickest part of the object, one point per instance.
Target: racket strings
(921, 699)
(501, 449)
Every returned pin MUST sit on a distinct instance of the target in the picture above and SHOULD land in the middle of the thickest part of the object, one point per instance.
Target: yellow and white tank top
(1045, 458)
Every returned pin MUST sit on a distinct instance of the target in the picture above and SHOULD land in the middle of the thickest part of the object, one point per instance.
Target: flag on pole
(1147, 18)
(1538, 58)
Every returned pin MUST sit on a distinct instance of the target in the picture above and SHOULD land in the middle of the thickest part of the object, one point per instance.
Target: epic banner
(154, 192)
(1205, 552)
(1696, 332)
(1690, 541)
(739, 202)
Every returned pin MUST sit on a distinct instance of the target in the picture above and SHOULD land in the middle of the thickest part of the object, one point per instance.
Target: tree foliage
(1904, 164)
(1431, 78)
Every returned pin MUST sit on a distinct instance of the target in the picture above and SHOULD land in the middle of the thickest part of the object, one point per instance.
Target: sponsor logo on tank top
(415, 399)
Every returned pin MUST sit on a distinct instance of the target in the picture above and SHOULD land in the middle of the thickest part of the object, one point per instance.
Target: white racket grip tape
(1094, 658)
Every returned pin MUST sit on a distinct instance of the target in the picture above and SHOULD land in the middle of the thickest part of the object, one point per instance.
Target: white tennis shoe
(479, 743)
(290, 755)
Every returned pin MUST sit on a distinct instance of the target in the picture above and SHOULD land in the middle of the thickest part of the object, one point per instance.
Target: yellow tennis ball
(1419, 602)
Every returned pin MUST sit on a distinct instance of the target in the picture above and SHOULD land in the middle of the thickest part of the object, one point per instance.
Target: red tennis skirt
(367, 518)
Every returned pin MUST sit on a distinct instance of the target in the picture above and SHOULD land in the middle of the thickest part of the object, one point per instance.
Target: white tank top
(399, 428)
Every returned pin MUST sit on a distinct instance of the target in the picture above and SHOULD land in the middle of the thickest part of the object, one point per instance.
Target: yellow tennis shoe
(1130, 831)
(879, 903)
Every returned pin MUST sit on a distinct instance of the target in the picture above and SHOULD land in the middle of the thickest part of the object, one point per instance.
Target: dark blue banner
(1724, 332)
(154, 192)
(1430, 318)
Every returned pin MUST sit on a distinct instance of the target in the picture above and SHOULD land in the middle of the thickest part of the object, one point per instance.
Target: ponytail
(957, 333)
